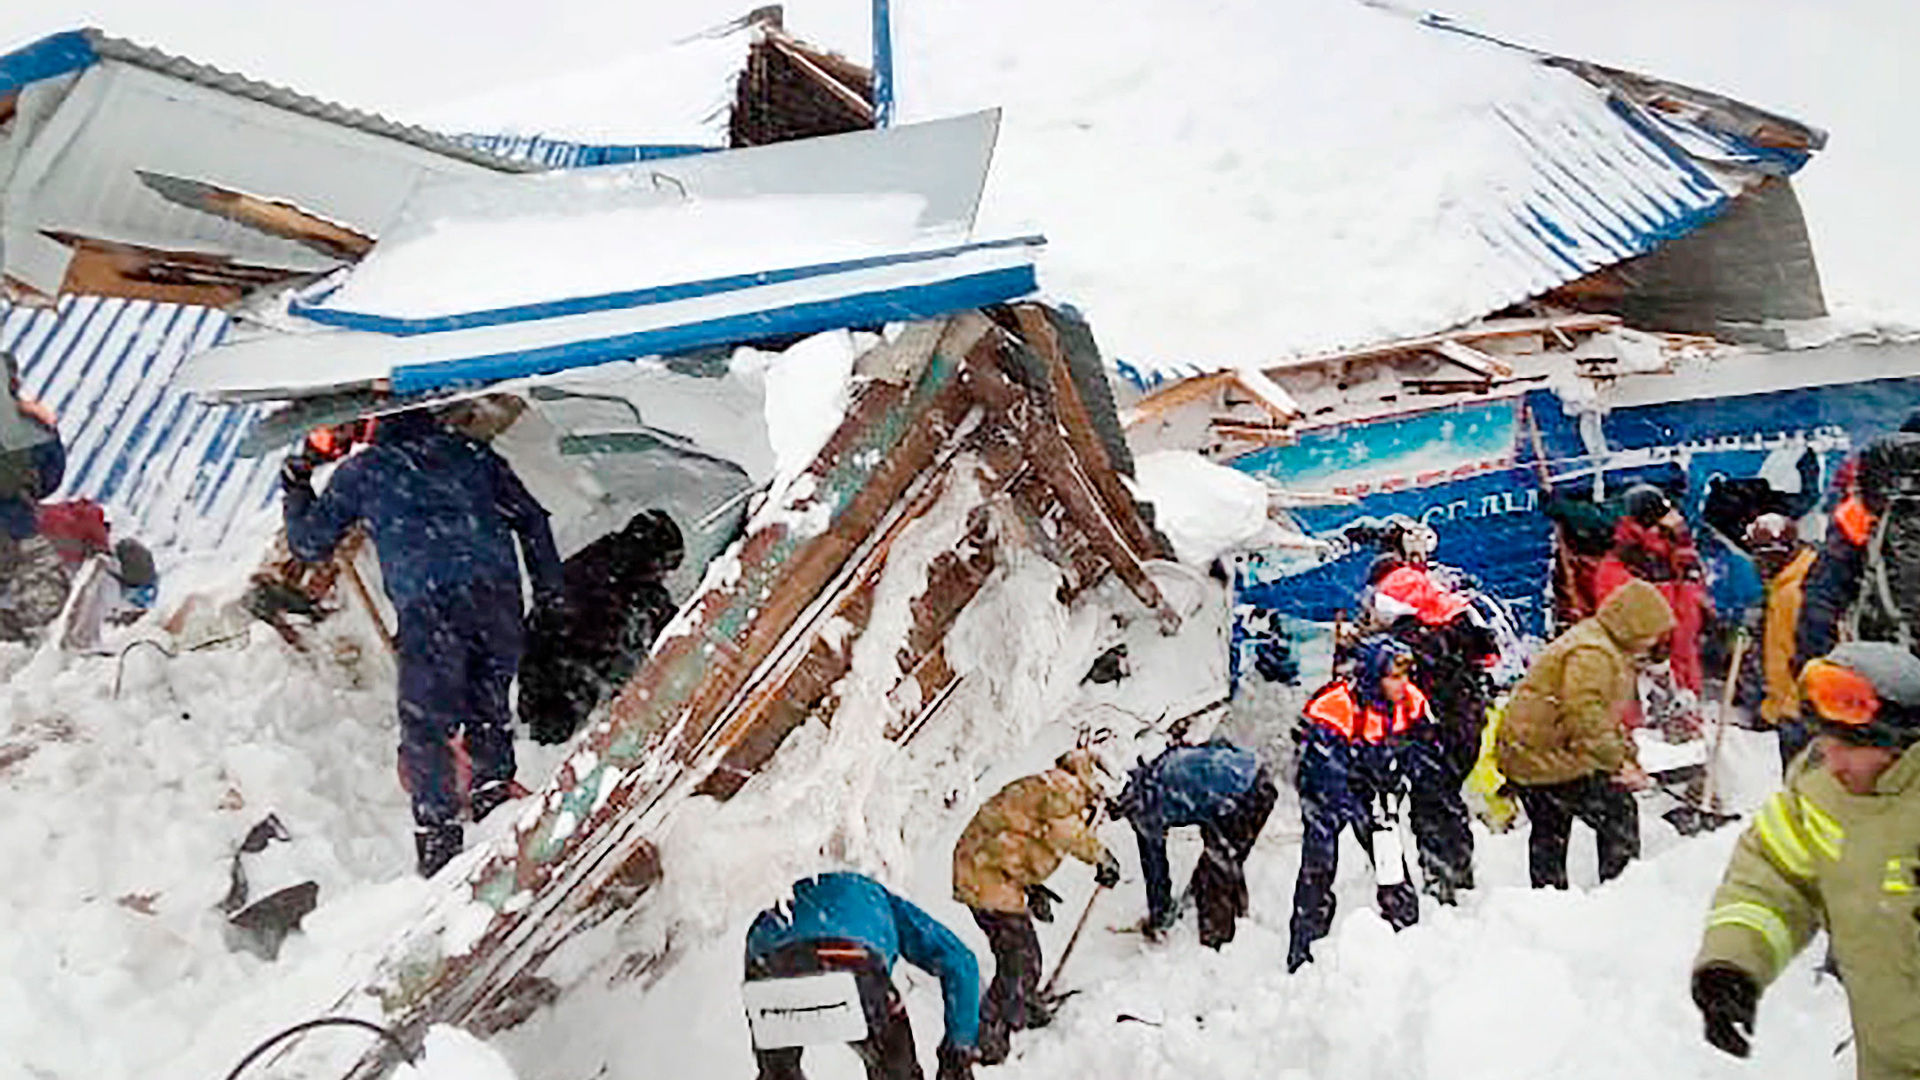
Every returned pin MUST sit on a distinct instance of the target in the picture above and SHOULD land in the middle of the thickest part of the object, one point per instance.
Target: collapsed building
(1628, 258)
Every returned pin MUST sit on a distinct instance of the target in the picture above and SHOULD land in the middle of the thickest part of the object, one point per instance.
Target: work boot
(487, 798)
(1299, 955)
(435, 846)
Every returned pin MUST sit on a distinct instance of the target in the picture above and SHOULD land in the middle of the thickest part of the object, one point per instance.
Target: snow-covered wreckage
(802, 349)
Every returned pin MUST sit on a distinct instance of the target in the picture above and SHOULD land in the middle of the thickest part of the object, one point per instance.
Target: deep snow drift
(120, 814)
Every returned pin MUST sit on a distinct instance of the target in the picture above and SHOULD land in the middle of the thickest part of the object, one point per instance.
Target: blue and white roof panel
(166, 466)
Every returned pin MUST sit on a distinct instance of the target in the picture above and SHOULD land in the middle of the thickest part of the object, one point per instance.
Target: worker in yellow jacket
(1781, 558)
(1838, 850)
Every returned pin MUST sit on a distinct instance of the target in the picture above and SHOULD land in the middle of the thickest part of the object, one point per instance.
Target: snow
(807, 391)
(1233, 182)
(452, 1054)
(680, 95)
(452, 265)
(1207, 510)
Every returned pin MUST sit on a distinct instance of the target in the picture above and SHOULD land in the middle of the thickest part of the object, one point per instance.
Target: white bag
(805, 1010)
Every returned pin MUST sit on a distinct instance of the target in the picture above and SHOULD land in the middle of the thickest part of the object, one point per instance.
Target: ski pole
(1047, 990)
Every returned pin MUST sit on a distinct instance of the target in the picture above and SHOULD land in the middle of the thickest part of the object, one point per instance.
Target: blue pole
(882, 65)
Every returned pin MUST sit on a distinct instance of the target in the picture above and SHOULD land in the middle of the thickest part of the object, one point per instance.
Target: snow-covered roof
(76, 50)
(1260, 179)
(679, 95)
(487, 281)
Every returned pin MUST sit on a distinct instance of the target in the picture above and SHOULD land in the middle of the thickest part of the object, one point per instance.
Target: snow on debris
(480, 263)
(1233, 182)
(679, 95)
(452, 1054)
(1206, 509)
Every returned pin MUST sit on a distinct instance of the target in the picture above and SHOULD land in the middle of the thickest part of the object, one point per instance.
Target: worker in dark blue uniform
(1354, 773)
(1228, 793)
(848, 922)
(444, 512)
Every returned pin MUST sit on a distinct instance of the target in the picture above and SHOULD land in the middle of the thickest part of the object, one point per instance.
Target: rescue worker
(1783, 562)
(1014, 843)
(588, 646)
(1563, 746)
(848, 922)
(1839, 850)
(1353, 774)
(1452, 650)
(1228, 793)
(33, 578)
(444, 512)
(1651, 542)
(1865, 583)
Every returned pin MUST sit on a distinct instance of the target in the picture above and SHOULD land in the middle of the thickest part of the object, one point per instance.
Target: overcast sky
(1839, 64)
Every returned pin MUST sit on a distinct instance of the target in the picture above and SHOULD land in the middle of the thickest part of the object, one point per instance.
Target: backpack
(1887, 607)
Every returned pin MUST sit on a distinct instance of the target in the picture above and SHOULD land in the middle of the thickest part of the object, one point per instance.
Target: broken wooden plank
(1037, 330)
(1053, 461)
(1480, 363)
(1271, 395)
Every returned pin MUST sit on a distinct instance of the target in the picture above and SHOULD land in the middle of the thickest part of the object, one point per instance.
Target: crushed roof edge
(111, 48)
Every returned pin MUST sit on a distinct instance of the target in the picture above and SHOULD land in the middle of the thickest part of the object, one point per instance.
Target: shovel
(1689, 818)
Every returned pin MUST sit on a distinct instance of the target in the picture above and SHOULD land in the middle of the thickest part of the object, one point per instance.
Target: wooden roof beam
(1481, 364)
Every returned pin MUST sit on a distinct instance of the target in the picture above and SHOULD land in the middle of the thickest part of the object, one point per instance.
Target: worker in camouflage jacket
(1838, 849)
(1014, 843)
(1563, 746)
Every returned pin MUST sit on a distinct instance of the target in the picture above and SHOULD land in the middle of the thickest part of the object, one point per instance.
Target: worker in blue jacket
(848, 922)
(444, 512)
(1228, 793)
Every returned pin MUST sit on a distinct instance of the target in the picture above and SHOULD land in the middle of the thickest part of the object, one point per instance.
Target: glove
(1107, 874)
(1728, 998)
(956, 1062)
(1040, 901)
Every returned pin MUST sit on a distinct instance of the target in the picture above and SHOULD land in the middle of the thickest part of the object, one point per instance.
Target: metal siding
(561, 154)
(166, 467)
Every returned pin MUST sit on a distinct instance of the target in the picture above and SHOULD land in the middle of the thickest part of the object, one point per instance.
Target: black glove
(1728, 998)
(1107, 874)
(1040, 901)
(956, 1062)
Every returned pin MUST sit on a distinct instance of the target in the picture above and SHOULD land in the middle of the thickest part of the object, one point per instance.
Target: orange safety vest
(1337, 709)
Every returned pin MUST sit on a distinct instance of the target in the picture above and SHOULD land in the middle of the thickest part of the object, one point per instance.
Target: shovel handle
(1047, 990)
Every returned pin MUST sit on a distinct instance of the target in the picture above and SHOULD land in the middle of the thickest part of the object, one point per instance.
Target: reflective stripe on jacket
(1817, 856)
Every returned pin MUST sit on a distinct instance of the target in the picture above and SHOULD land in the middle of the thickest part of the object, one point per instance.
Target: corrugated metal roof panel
(561, 154)
(280, 97)
(167, 467)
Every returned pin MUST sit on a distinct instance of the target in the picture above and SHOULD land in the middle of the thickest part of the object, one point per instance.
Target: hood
(1636, 616)
(1373, 659)
(402, 427)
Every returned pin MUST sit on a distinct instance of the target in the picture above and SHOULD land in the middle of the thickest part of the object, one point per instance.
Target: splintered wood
(762, 648)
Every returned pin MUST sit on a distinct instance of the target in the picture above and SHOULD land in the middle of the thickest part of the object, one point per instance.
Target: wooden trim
(1466, 356)
(1052, 460)
(1159, 403)
(861, 106)
(1038, 333)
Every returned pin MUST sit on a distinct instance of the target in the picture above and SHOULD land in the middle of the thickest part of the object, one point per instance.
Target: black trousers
(1219, 884)
(1014, 994)
(887, 1050)
(1438, 814)
(1595, 799)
